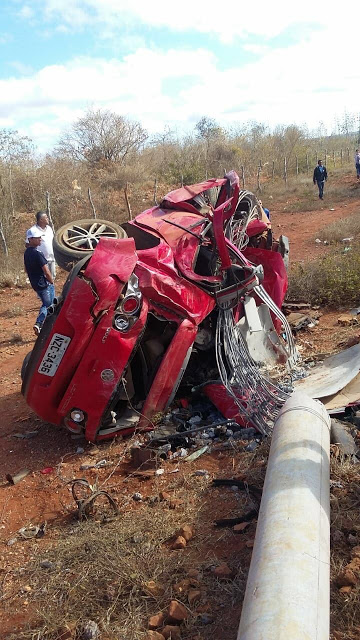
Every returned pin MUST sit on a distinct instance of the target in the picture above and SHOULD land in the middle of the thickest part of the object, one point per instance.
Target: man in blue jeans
(320, 176)
(39, 275)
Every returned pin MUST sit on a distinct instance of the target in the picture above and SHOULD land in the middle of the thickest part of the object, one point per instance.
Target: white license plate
(54, 354)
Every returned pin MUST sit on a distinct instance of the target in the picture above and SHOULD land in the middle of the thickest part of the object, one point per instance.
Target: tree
(208, 131)
(14, 148)
(102, 135)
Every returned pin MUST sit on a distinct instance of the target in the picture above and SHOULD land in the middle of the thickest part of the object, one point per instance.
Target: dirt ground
(45, 497)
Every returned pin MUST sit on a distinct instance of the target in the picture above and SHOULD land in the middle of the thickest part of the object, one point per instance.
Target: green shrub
(333, 280)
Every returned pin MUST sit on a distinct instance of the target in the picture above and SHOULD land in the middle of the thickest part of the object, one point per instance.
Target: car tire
(24, 365)
(78, 239)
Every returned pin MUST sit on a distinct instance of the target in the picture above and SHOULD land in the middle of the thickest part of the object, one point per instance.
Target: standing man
(39, 275)
(46, 246)
(320, 175)
(357, 163)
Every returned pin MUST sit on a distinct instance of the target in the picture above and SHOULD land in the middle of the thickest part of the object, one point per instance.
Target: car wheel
(78, 239)
(24, 365)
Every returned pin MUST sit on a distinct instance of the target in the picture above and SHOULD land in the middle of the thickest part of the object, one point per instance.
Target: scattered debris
(196, 454)
(17, 477)
(299, 321)
(26, 435)
(47, 564)
(86, 504)
(296, 306)
(232, 522)
(143, 457)
(90, 631)
(341, 436)
(32, 531)
(47, 471)
(230, 482)
(347, 319)
(355, 312)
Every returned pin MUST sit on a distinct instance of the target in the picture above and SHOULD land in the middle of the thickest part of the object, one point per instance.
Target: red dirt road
(301, 228)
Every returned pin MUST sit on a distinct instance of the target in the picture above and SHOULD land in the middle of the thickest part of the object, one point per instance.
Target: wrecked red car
(190, 294)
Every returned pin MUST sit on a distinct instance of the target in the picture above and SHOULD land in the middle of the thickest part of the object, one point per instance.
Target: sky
(167, 64)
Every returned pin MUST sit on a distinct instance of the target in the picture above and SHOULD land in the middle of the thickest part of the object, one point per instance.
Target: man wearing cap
(39, 275)
(46, 245)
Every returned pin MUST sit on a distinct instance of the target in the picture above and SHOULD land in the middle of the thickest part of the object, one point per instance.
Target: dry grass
(12, 312)
(16, 338)
(333, 280)
(345, 522)
(346, 228)
(301, 194)
(100, 569)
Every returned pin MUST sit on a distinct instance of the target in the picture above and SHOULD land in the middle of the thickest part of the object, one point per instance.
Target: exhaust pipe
(288, 589)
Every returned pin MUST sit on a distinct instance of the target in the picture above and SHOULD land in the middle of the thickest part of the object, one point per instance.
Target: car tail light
(131, 304)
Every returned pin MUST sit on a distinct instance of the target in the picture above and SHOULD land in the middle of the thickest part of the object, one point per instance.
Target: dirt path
(301, 228)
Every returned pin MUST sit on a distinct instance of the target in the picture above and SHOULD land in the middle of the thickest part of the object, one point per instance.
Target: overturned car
(188, 293)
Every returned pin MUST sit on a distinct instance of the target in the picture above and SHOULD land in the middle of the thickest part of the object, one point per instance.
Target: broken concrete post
(287, 592)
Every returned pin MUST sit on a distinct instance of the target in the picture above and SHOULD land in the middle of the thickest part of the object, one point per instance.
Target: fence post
(258, 177)
(316, 157)
(127, 201)
(307, 163)
(2, 236)
(182, 180)
(273, 169)
(341, 157)
(348, 154)
(285, 171)
(91, 203)
(48, 209)
(334, 161)
(243, 176)
(297, 165)
(155, 191)
(325, 159)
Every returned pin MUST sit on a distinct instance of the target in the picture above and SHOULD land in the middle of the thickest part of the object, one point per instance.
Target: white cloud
(236, 20)
(306, 83)
(26, 12)
(5, 38)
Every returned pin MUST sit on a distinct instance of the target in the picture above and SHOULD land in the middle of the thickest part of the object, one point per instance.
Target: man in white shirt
(46, 246)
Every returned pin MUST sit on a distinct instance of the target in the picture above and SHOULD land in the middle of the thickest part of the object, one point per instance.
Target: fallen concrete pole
(287, 593)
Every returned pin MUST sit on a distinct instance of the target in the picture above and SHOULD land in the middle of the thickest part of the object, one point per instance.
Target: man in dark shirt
(320, 175)
(39, 275)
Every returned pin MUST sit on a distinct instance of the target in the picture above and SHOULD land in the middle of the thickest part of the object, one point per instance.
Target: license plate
(54, 354)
